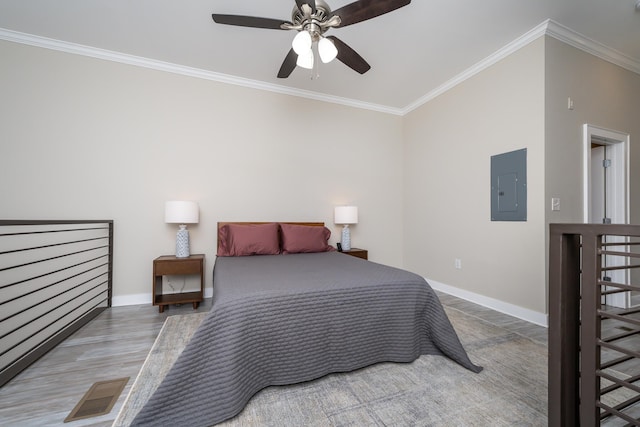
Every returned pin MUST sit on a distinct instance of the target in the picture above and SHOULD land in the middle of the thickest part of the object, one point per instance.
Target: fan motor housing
(312, 23)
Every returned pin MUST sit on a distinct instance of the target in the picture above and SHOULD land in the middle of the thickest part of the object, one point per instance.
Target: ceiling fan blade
(311, 3)
(362, 10)
(288, 65)
(249, 21)
(350, 57)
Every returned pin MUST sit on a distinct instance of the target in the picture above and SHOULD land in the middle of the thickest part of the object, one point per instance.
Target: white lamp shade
(327, 50)
(302, 42)
(181, 212)
(305, 60)
(345, 215)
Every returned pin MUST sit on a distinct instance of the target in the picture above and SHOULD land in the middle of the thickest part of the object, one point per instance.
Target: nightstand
(356, 252)
(169, 265)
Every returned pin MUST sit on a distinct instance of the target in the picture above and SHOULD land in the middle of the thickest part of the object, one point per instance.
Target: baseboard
(139, 299)
(531, 316)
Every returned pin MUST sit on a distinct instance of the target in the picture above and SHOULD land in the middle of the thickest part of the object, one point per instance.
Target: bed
(293, 316)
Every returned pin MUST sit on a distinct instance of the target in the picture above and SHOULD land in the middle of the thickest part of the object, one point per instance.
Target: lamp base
(182, 242)
(346, 238)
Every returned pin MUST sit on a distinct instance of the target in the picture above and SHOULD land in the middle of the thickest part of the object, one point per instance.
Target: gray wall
(604, 95)
(83, 138)
(448, 145)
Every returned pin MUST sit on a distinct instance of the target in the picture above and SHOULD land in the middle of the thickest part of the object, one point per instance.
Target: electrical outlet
(458, 264)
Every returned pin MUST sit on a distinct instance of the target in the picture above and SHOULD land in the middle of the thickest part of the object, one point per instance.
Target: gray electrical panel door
(509, 186)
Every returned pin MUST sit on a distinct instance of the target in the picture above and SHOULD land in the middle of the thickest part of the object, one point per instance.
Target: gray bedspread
(284, 319)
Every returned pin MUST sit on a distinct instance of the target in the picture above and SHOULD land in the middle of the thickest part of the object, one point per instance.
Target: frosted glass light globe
(305, 60)
(327, 50)
(301, 42)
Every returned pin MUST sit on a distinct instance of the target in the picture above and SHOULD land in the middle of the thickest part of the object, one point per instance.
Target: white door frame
(617, 144)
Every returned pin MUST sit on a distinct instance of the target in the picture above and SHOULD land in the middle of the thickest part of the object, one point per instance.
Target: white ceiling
(413, 51)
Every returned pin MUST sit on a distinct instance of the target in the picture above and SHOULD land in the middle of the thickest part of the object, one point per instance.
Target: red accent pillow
(304, 239)
(249, 239)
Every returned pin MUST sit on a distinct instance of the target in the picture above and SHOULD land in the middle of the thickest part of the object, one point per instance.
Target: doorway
(606, 196)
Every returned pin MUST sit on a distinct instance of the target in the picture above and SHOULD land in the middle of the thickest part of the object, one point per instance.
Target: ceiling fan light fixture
(302, 42)
(311, 19)
(305, 60)
(327, 50)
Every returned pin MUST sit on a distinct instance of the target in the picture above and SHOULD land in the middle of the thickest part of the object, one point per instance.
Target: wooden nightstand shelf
(169, 265)
(356, 252)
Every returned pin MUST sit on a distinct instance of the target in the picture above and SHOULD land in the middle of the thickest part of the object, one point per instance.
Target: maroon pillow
(248, 239)
(304, 238)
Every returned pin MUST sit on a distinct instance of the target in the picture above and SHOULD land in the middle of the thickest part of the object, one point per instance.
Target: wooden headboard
(222, 224)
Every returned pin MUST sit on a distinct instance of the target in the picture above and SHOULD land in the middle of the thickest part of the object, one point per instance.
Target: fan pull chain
(315, 71)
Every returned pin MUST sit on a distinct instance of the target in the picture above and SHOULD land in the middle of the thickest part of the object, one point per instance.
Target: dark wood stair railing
(584, 390)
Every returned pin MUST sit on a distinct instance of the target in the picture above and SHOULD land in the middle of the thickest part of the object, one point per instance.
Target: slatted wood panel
(54, 277)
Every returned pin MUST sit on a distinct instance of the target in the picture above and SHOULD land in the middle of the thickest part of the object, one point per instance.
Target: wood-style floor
(115, 345)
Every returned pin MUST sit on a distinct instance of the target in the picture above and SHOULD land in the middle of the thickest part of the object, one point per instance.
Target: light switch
(555, 204)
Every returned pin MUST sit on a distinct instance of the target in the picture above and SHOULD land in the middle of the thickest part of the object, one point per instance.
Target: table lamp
(345, 215)
(182, 213)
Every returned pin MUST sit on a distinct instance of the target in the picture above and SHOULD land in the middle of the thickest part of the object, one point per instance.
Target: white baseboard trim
(531, 316)
(139, 299)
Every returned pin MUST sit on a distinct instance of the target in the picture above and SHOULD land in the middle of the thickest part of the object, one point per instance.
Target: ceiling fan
(312, 18)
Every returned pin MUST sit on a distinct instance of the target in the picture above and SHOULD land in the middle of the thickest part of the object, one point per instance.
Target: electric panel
(509, 186)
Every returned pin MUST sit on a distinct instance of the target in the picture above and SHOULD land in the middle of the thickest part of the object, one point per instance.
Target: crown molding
(549, 28)
(138, 61)
(577, 40)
